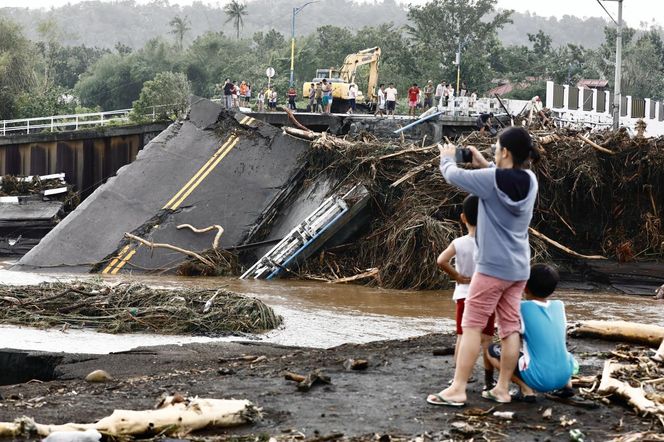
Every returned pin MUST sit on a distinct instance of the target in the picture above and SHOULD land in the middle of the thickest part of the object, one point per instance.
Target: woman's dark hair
(470, 207)
(543, 280)
(519, 142)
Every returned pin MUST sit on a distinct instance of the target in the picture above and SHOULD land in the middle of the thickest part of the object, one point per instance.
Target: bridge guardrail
(68, 122)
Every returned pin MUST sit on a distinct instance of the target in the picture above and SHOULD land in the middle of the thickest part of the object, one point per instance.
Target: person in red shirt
(292, 95)
(413, 97)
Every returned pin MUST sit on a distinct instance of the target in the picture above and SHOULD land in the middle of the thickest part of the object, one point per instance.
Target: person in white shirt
(380, 105)
(391, 99)
(352, 95)
(439, 94)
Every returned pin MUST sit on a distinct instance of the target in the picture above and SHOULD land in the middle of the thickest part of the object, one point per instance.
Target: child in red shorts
(463, 250)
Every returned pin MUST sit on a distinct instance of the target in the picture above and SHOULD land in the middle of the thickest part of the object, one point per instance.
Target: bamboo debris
(172, 418)
(622, 331)
(371, 273)
(217, 237)
(154, 245)
(595, 145)
(133, 307)
(559, 246)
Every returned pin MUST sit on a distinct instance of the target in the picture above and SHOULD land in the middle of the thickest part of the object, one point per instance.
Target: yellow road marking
(116, 259)
(169, 204)
(200, 179)
(126, 254)
(245, 119)
(123, 262)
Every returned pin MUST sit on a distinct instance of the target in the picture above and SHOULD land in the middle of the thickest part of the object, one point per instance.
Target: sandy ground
(387, 398)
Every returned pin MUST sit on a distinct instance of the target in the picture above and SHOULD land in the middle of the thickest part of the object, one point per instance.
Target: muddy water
(320, 314)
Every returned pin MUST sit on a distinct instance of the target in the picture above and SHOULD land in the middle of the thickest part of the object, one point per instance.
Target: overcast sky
(635, 11)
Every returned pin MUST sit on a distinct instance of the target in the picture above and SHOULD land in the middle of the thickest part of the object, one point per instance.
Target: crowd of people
(321, 96)
(496, 282)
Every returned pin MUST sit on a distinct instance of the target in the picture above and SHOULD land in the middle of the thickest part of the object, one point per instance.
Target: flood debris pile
(132, 307)
(601, 196)
(603, 192)
(415, 213)
(30, 207)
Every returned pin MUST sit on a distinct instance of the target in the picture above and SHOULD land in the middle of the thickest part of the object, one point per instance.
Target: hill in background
(103, 24)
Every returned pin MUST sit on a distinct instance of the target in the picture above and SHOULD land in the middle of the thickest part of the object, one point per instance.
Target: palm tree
(179, 27)
(235, 10)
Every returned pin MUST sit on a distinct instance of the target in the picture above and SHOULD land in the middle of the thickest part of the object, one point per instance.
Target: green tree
(541, 43)
(179, 27)
(164, 97)
(440, 26)
(17, 67)
(235, 11)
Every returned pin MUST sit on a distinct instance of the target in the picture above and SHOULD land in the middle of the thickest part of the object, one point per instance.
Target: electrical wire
(607, 12)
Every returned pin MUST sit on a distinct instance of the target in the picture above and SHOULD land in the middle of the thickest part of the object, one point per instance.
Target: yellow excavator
(342, 79)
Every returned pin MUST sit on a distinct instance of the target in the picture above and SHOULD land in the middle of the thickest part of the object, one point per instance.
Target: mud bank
(387, 398)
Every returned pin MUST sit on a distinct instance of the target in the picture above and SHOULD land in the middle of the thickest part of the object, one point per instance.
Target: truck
(342, 78)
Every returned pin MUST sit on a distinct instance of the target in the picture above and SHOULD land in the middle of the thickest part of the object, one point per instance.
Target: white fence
(69, 122)
(578, 107)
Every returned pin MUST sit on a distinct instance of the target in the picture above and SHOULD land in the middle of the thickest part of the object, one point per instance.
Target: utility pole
(292, 50)
(618, 72)
(618, 79)
(458, 63)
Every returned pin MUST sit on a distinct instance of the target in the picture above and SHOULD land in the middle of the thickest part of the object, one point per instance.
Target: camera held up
(463, 155)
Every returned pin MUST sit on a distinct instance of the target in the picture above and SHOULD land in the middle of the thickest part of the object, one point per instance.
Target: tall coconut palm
(179, 27)
(235, 10)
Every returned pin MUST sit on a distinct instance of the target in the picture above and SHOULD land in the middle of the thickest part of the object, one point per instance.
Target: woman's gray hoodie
(503, 250)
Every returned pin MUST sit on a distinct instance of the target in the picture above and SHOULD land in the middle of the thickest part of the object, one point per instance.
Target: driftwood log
(636, 397)
(174, 417)
(659, 355)
(621, 331)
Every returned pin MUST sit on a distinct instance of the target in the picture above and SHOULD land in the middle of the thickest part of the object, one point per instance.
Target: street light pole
(292, 50)
(618, 78)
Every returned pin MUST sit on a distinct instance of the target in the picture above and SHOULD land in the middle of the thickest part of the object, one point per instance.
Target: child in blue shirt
(545, 364)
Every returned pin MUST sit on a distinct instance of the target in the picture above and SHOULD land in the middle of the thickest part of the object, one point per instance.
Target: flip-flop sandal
(442, 401)
(489, 396)
(527, 398)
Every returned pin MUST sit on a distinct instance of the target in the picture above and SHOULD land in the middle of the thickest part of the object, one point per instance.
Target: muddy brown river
(318, 314)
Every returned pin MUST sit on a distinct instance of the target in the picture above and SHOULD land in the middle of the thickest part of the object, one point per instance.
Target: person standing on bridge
(327, 96)
(413, 96)
(439, 94)
(261, 100)
(352, 96)
(292, 95)
(380, 104)
(312, 98)
(243, 92)
(247, 96)
(228, 94)
(391, 99)
(428, 95)
(318, 96)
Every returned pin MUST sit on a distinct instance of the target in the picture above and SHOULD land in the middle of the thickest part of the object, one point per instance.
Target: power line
(607, 12)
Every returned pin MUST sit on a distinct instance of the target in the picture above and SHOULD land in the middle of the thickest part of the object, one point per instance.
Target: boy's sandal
(527, 398)
(490, 396)
(437, 399)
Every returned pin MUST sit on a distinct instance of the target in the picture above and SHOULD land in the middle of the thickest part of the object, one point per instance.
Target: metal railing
(68, 122)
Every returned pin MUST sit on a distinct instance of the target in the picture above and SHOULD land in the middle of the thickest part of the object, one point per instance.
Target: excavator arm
(348, 71)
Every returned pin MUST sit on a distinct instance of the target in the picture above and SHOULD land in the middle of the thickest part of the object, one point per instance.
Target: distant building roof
(592, 83)
(502, 89)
